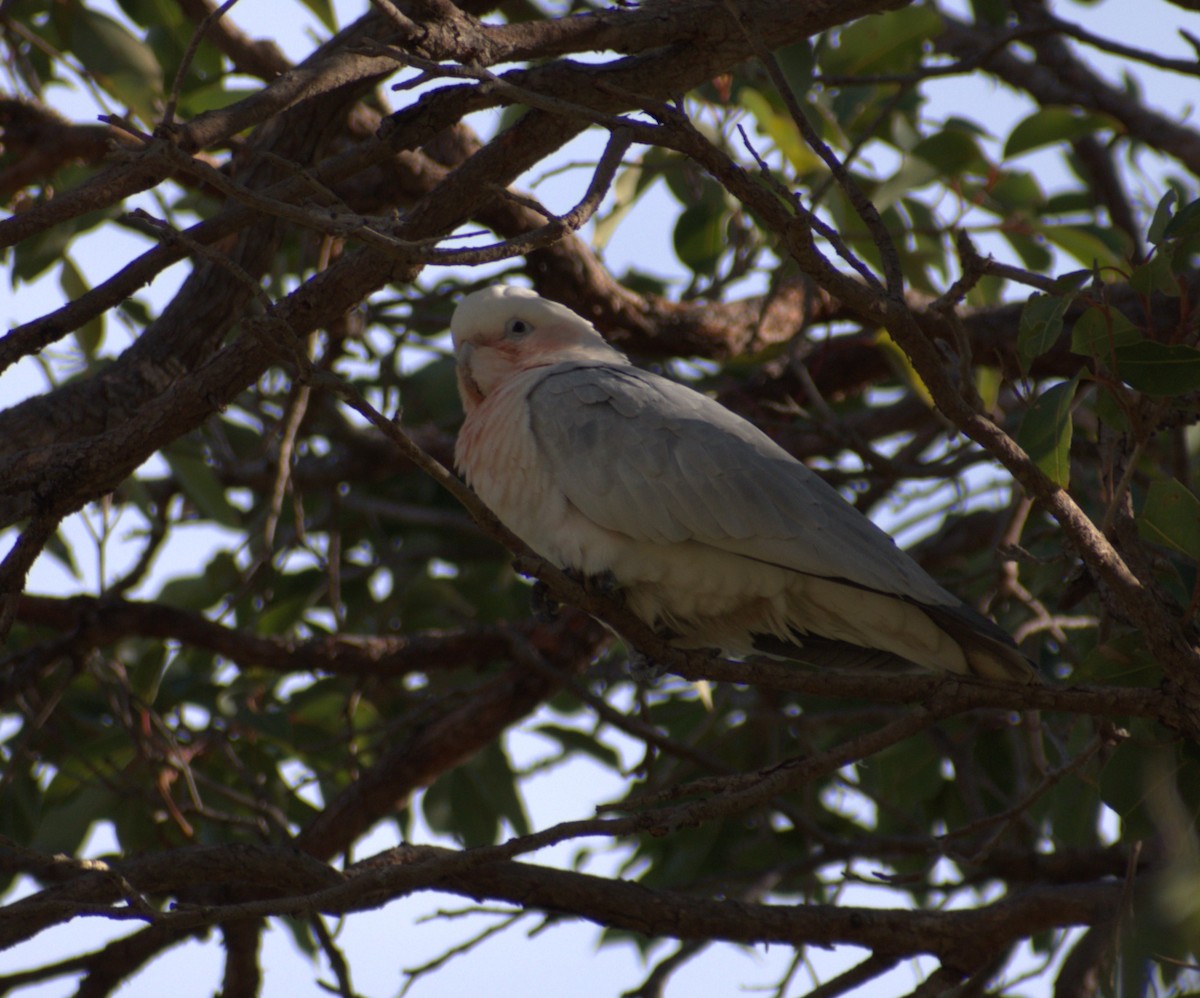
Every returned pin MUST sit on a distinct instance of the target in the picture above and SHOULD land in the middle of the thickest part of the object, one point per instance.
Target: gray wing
(659, 462)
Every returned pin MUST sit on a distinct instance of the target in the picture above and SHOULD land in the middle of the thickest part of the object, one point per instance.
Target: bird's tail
(989, 650)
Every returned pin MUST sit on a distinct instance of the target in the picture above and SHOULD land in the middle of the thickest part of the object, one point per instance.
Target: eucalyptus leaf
(1100, 331)
(124, 65)
(1050, 125)
(89, 336)
(1159, 368)
(1041, 325)
(1171, 516)
(202, 485)
(1184, 223)
(1046, 431)
(1162, 216)
(700, 237)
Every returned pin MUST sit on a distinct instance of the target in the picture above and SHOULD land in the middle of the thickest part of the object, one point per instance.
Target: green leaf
(1016, 190)
(295, 594)
(1185, 223)
(1171, 516)
(572, 741)
(781, 129)
(1045, 432)
(882, 43)
(899, 362)
(993, 13)
(211, 584)
(65, 824)
(301, 930)
(324, 11)
(1040, 326)
(169, 32)
(952, 152)
(1110, 411)
(913, 174)
(1156, 274)
(139, 829)
(469, 801)
(1129, 781)
(20, 804)
(1070, 202)
(497, 783)
(1159, 369)
(201, 485)
(910, 769)
(89, 336)
(1089, 244)
(211, 97)
(1162, 216)
(988, 382)
(919, 215)
(691, 187)
(1075, 826)
(1032, 251)
(62, 552)
(122, 64)
(1122, 659)
(797, 63)
(1050, 125)
(1100, 330)
(700, 237)
(1072, 280)
(145, 669)
(148, 12)
(428, 390)
(39, 252)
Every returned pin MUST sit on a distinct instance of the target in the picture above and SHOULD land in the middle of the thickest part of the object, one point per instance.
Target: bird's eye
(517, 327)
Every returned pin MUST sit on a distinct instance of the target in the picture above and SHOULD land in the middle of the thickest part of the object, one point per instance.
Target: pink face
(484, 366)
(501, 332)
(488, 359)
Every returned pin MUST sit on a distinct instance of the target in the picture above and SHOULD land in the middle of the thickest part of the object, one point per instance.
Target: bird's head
(502, 331)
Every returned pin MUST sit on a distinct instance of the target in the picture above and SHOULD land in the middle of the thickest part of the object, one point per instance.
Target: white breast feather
(717, 598)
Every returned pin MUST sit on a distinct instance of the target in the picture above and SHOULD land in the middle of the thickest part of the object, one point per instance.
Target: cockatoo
(713, 534)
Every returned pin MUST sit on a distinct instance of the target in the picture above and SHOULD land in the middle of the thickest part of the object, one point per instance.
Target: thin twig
(337, 962)
(168, 118)
(863, 205)
(416, 973)
(873, 966)
(525, 653)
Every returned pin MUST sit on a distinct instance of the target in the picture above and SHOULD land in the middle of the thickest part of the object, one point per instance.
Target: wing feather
(659, 462)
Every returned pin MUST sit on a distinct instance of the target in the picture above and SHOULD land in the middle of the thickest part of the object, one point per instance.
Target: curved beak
(467, 387)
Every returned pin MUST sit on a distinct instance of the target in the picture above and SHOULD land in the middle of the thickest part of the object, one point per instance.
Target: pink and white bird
(715, 536)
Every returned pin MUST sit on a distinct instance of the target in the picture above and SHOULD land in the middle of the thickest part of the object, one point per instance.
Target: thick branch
(99, 622)
(961, 938)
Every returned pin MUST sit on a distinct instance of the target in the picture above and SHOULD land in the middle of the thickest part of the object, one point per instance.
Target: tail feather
(989, 651)
(829, 653)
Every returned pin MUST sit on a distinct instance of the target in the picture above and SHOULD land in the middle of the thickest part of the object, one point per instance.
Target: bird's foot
(599, 584)
(644, 670)
(545, 607)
